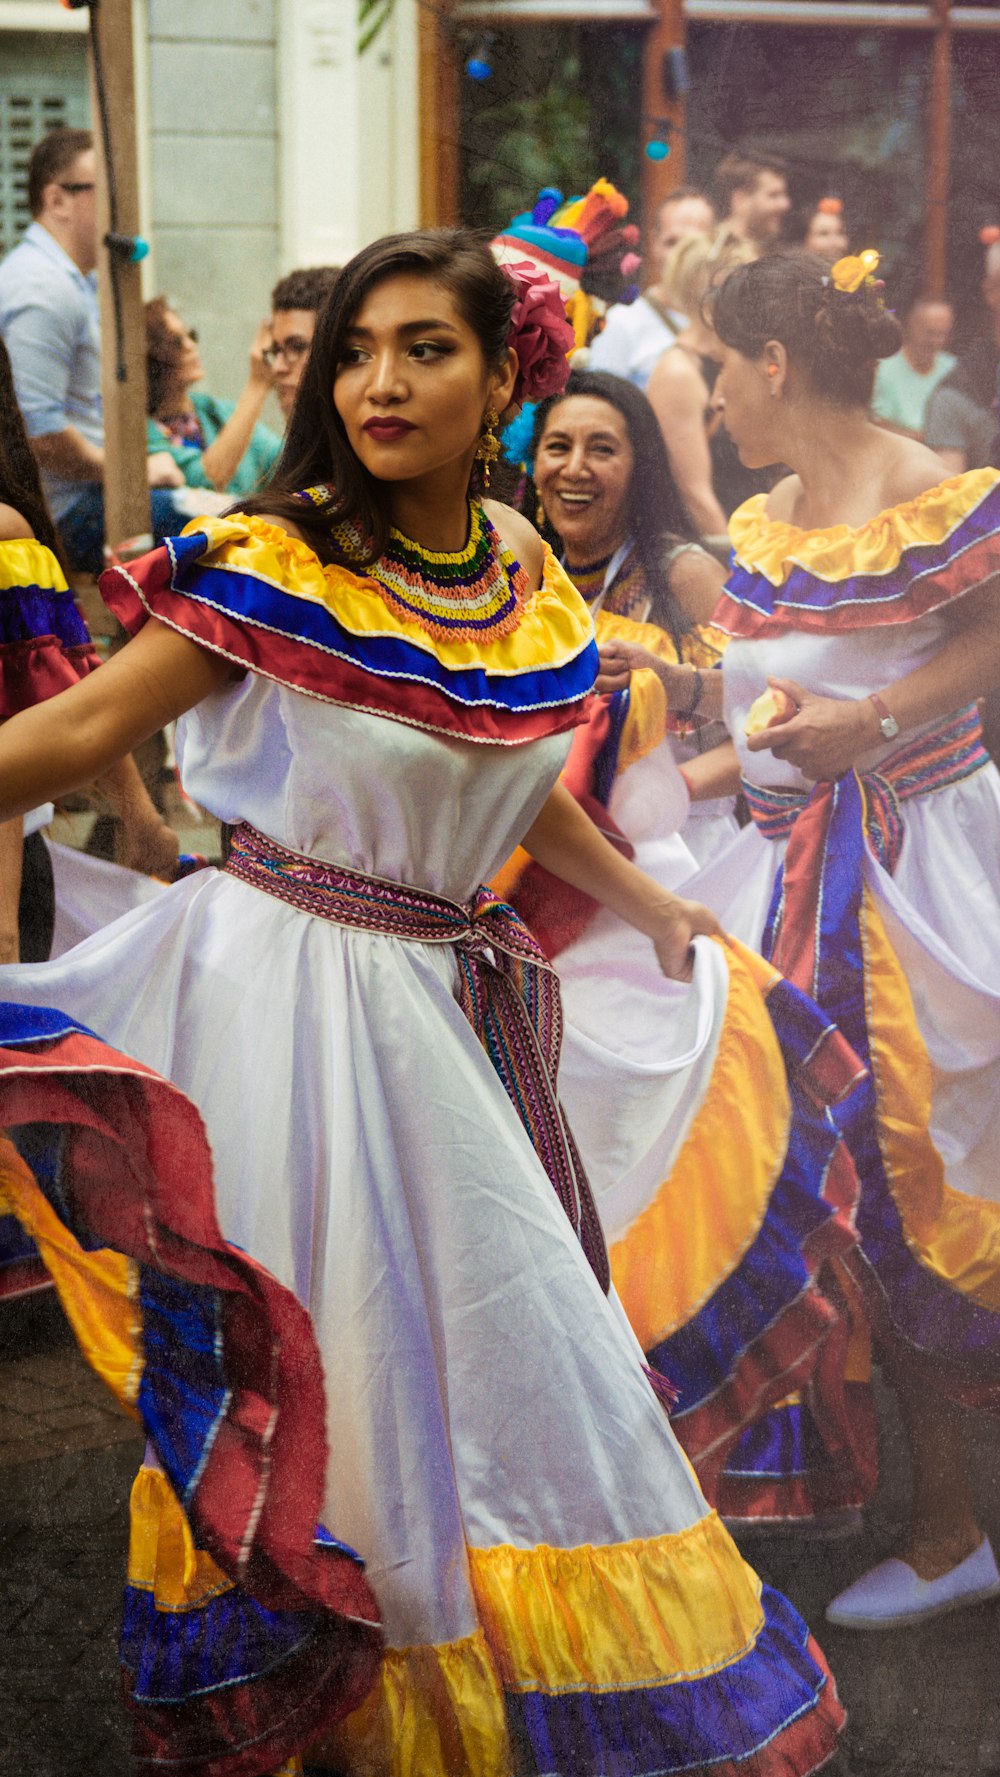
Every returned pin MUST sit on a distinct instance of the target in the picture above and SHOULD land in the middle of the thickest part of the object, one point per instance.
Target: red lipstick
(385, 429)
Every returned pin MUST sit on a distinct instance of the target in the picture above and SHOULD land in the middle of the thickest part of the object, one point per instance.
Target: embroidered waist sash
(507, 990)
(946, 755)
(929, 1251)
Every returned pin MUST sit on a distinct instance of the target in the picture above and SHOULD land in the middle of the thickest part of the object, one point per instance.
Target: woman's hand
(260, 367)
(826, 735)
(620, 659)
(149, 845)
(162, 471)
(679, 923)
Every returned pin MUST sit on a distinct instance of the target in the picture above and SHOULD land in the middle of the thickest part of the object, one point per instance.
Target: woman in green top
(216, 444)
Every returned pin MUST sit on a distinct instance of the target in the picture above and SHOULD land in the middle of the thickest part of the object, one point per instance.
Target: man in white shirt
(905, 382)
(636, 334)
(50, 325)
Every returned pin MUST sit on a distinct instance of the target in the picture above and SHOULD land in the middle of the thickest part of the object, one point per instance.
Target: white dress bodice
(377, 795)
(848, 665)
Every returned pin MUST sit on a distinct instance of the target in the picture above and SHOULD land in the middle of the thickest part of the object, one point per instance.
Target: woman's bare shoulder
(696, 579)
(676, 372)
(783, 498)
(13, 527)
(911, 470)
(520, 536)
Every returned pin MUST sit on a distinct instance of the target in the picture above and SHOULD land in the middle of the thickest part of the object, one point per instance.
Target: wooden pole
(938, 156)
(440, 102)
(660, 177)
(123, 334)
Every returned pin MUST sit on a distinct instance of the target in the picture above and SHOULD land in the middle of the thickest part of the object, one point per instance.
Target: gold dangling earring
(488, 448)
(539, 514)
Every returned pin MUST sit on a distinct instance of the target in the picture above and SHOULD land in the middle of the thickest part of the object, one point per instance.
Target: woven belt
(945, 755)
(508, 990)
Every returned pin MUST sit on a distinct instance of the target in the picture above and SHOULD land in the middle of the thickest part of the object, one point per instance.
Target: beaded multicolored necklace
(476, 593)
(627, 595)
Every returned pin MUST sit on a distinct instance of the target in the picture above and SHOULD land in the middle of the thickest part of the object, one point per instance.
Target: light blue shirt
(50, 325)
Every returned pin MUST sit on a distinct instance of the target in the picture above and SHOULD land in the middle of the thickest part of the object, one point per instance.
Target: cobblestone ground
(923, 1703)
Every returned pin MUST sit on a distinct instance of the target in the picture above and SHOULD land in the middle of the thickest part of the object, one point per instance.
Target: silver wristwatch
(887, 722)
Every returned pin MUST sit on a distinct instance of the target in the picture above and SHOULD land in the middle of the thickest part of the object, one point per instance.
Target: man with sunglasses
(295, 302)
(50, 325)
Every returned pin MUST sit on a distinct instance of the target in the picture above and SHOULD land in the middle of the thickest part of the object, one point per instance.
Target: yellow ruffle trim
(771, 547)
(954, 1235)
(661, 1610)
(646, 720)
(96, 1289)
(646, 724)
(554, 626)
(25, 562)
(656, 1611)
(434, 1711)
(162, 1557)
(703, 646)
(708, 1212)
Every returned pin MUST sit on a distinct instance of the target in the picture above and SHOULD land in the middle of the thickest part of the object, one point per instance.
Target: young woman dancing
(378, 677)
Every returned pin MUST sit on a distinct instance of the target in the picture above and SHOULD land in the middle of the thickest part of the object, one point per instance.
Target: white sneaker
(893, 1596)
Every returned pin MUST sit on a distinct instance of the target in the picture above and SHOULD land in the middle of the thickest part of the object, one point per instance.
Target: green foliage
(539, 139)
(372, 15)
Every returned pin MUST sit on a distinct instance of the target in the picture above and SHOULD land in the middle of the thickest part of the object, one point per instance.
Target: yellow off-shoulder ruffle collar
(704, 645)
(26, 562)
(772, 547)
(555, 624)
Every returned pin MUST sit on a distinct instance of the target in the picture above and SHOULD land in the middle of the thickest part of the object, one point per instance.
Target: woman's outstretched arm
(564, 840)
(72, 739)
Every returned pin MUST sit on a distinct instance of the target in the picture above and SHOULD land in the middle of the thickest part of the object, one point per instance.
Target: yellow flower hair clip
(849, 274)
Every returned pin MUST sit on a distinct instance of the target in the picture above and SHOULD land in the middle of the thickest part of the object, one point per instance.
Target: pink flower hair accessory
(539, 333)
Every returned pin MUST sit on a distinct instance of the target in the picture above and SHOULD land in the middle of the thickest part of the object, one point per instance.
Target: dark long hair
(316, 448)
(20, 485)
(657, 517)
(163, 352)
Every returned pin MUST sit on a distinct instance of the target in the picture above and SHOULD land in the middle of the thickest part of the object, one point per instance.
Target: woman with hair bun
(862, 607)
(381, 1304)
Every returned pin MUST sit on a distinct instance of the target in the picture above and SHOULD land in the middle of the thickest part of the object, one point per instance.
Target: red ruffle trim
(31, 672)
(138, 1171)
(245, 1730)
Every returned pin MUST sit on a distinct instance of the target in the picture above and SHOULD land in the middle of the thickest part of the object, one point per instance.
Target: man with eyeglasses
(295, 302)
(50, 325)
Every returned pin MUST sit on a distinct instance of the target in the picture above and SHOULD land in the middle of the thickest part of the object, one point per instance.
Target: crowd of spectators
(204, 449)
(662, 343)
(50, 324)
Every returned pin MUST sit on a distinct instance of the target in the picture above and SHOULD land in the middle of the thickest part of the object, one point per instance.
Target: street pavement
(922, 1702)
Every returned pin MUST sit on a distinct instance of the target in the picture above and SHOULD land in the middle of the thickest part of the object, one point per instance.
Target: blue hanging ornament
(657, 150)
(479, 67)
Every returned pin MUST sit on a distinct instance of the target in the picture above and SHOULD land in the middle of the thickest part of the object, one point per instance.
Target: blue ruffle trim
(724, 1718)
(170, 1655)
(29, 612)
